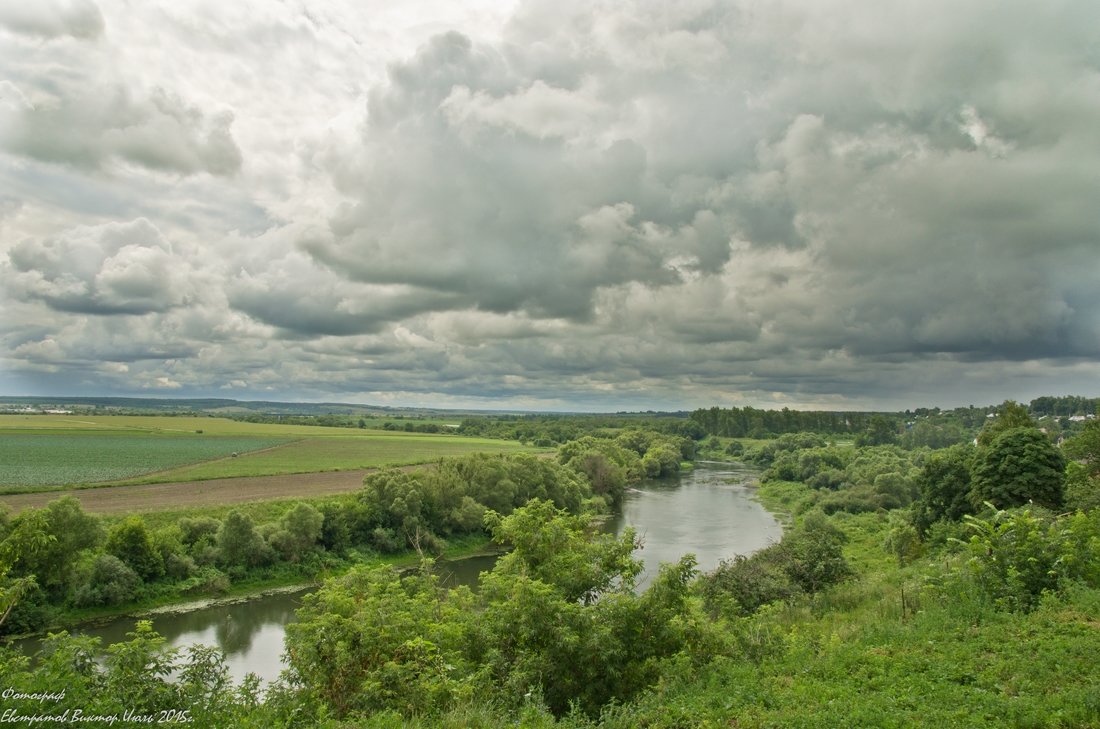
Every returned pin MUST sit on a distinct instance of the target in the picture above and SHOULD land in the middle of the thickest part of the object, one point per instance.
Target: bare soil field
(188, 494)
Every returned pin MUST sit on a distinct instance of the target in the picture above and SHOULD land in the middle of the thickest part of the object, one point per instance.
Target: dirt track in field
(187, 494)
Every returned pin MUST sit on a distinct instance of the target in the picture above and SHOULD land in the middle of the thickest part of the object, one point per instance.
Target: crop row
(43, 460)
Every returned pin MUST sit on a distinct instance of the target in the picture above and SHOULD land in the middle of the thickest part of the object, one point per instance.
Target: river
(709, 512)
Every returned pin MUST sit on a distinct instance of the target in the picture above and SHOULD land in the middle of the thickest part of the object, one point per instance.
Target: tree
(1085, 448)
(1018, 466)
(238, 543)
(27, 537)
(555, 547)
(1010, 415)
(129, 540)
(880, 431)
(944, 484)
(70, 531)
(304, 526)
(372, 640)
(110, 582)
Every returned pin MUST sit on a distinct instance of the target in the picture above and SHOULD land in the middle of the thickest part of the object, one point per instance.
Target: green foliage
(661, 460)
(926, 433)
(607, 466)
(239, 545)
(556, 548)
(1085, 448)
(903, 541)
(753, 423)
(555, 618)
(1082, 490)
(1019, 465)
(23, 540)
(130, 541)
(1009, 416)
(1016, 557)
(944, 485)
(109, 581)
(372, 640)
(68, 531)
(808, 559)
(880, 431)
(133, 683)
(303, 526)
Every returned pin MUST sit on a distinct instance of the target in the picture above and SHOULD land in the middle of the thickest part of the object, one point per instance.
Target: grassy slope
(861, 655)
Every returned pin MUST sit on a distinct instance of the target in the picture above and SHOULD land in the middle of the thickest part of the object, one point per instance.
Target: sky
(551, 205)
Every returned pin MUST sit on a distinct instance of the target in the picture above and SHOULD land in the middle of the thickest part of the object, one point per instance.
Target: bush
(131, 542)
(109, 582)
(1017, 557)
(808, 559)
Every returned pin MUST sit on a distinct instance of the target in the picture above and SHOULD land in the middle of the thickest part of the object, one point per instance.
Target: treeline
(1014, 463)
(1065, 406)
(749, 422)
(550, 430)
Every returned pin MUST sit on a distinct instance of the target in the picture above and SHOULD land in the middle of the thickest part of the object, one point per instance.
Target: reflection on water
(709, 512)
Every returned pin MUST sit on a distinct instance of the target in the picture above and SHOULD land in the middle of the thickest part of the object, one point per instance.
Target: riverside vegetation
(915, 587)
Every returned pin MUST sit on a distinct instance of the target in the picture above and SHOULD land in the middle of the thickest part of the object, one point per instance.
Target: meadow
(58, 458)
(48, 451)
(310, 455)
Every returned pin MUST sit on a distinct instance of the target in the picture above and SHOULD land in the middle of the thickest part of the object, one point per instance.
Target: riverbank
(249, 590)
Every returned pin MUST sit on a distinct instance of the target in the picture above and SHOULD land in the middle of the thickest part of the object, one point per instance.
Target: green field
(341, 454)
(38, 451)
(55, 458)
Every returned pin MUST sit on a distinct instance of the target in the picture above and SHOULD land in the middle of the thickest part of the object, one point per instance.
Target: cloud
(53, 18)
(116, 268)
(676, 203)
(94, 127)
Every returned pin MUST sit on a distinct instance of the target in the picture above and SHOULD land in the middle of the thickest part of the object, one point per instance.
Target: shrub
(109, 582)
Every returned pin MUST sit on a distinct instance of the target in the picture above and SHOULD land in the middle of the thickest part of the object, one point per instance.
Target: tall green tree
(1010, 415)
(239, 545)
(944, 484)
(1018, 466)
(70, 532)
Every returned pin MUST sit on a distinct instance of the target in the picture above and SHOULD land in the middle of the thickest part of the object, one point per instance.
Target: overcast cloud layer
(552, 205)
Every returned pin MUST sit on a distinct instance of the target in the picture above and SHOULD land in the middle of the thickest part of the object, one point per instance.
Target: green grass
(311, 455)
(55, 458)
(53, 450)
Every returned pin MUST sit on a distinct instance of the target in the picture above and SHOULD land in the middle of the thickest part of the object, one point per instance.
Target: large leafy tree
(944, 484)
(1018, 466)
(1009, 416)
